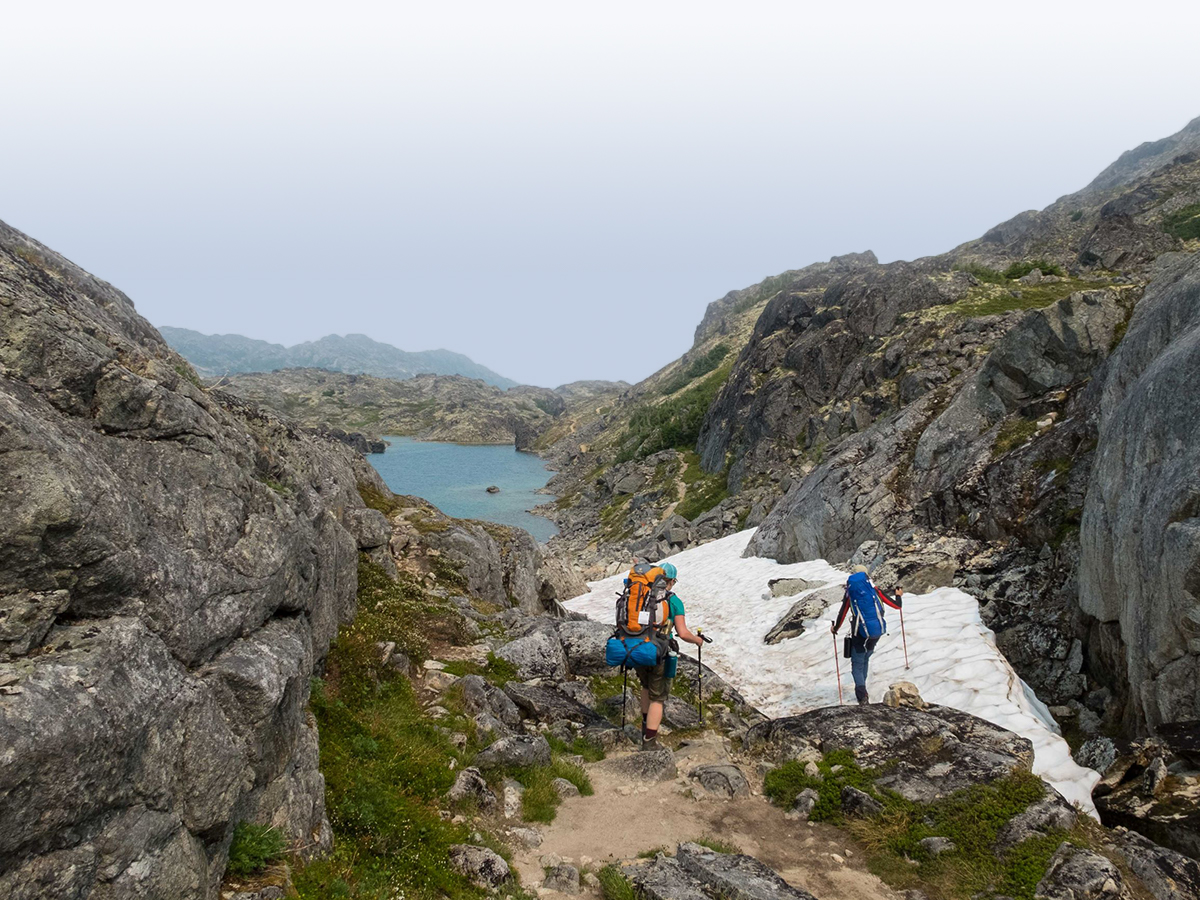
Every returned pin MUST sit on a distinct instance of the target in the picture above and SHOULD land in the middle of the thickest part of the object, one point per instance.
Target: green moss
(1184, 223)
(1077, 215)
(254, 848)
(1012, 434)
(654, 851)
(384, 501)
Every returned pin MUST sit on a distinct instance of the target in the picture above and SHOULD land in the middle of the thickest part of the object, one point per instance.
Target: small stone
(563, 878)
(529, 838)
(936, 846)
(858, 803)
(813, 771)
(513, 791)
(433, 665)
(565, 788)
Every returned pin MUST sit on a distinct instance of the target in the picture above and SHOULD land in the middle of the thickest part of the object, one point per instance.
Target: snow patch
(953, 655)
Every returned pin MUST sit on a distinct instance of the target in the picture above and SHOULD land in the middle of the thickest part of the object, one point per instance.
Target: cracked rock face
(173, 565)
(1140, 538)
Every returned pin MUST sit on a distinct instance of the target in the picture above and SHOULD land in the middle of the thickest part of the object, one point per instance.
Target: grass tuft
(718, 846)
(254, 848)
(784, 784)
(614, 885)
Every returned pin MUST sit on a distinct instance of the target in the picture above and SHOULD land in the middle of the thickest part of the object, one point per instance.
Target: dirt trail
(621, 820)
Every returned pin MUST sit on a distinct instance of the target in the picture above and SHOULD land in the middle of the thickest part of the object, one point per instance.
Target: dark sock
(649, 733)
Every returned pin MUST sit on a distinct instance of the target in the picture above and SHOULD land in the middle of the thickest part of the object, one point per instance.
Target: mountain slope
(225, 354)
(941, 415)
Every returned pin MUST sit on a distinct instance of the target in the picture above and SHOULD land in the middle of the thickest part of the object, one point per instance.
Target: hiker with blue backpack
(647, 613)
(865, 603)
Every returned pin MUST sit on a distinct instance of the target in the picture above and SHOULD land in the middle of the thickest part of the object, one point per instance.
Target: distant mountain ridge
(355, 354)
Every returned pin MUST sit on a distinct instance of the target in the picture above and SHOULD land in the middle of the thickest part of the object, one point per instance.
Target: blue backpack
(867, 607)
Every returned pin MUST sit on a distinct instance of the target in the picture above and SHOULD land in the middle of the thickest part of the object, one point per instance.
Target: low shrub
(1021, 269)
(254, 848)
(673, 423)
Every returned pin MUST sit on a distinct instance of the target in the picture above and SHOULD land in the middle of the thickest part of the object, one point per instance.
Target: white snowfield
(953, 655)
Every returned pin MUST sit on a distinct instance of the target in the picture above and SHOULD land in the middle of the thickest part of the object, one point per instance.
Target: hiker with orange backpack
(647, 612)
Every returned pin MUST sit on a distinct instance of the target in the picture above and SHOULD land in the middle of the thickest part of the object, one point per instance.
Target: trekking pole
(624, 692)
(700, 672)
(904, 637)
(837, 665)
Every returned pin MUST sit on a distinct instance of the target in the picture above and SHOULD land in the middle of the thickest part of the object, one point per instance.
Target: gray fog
(530, 183)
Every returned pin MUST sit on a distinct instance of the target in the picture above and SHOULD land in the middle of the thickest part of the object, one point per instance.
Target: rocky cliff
(1140, 543)
(173, 566)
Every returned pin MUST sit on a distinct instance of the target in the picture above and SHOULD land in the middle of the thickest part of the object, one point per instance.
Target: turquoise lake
(455, 477)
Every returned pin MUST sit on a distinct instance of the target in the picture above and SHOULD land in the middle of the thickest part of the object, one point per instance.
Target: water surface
(455, 478)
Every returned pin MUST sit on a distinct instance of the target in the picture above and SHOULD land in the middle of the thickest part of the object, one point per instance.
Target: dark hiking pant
(861, 649)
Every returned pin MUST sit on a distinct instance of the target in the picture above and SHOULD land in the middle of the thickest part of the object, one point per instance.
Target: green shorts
(654, 679)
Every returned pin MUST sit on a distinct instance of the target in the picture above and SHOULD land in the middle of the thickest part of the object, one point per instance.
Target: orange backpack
(643, 608)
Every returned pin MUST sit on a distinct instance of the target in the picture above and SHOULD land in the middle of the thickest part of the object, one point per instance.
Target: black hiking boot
(860, 694)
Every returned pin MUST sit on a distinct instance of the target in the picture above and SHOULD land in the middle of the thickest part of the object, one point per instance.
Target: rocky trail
(700, 792)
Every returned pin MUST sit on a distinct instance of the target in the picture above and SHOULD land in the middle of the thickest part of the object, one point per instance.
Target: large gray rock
(515, 750)
(481, 697)
(471, 786)
(1140, 538)
(1078, 874)
(647, 766)
(1051, 813)
(173, 566)
(735, 876)
(583, 644)
(1168, 875)
(537, 655)
(791, 623)
(922, 754)
(562, 878)
(722, 779)
(663, 878)
(549, 705)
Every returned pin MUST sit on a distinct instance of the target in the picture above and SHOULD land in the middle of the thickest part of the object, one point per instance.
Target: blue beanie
(669, 570)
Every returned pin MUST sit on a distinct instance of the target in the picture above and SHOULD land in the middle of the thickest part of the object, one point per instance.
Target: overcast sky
(529, 183)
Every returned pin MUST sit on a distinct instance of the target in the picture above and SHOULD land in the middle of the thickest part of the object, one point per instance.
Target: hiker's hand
(832, 628)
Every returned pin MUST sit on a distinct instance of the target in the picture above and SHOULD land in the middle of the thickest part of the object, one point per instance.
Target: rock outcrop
(1140, 541)
(922, 754)
(173, 566)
